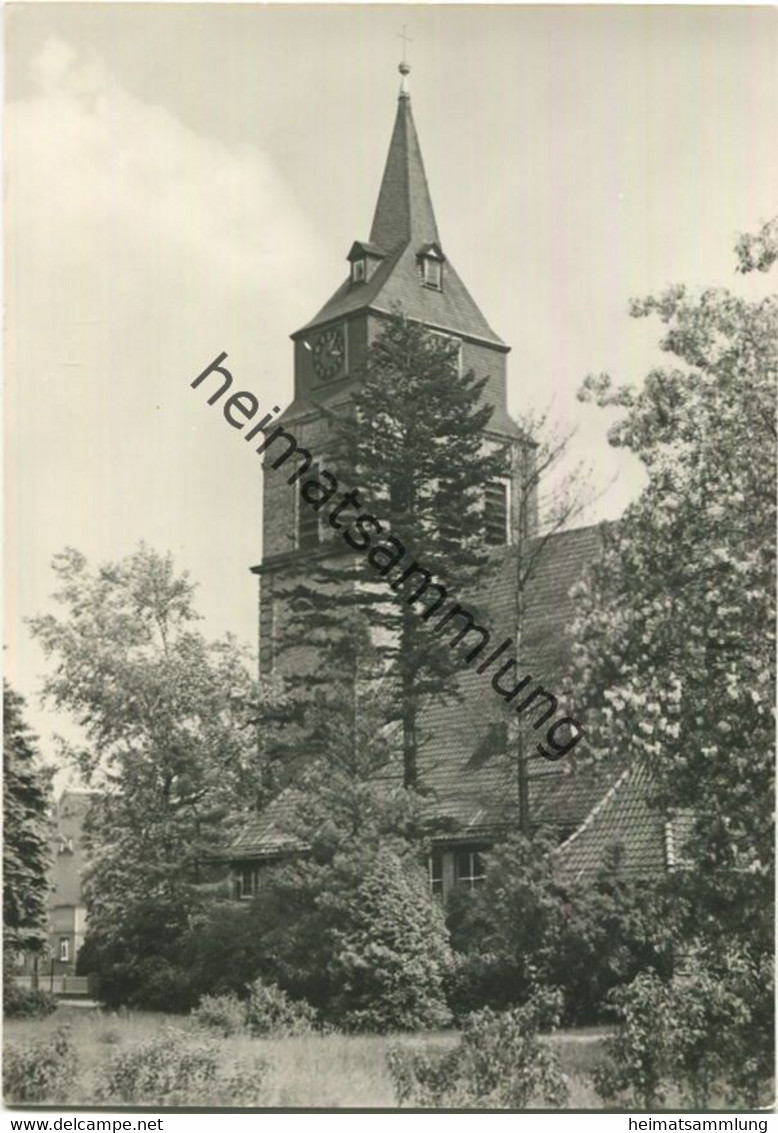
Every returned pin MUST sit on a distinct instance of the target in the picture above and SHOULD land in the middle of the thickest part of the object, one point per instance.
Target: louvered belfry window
(496, 514)
(307, 517)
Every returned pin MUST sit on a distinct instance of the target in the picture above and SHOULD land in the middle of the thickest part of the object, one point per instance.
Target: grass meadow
(315, 1071)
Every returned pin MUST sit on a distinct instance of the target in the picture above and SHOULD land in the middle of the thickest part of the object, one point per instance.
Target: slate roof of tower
(403, 223)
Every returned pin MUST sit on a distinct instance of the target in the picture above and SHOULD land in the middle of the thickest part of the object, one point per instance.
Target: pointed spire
(403, 227)
(404, 212)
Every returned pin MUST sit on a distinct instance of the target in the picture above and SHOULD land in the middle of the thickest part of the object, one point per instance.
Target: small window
(471, 870)
(313, 527)
(432, 273)
(498, 737)
(307, 516)
(496, 514)
(64, 949)
(436, 873)
(358, 271)
(246, 883)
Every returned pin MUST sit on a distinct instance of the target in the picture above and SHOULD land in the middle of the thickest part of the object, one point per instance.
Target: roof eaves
(457, 332)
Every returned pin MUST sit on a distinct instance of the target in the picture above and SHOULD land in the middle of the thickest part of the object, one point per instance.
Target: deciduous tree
(674, 661)
(169, 741)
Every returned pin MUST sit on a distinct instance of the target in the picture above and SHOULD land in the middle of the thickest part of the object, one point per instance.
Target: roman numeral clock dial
(329, 354)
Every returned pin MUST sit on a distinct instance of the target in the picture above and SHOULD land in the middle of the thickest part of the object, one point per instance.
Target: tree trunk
(523, 782)
(409, 707)
(409, 730)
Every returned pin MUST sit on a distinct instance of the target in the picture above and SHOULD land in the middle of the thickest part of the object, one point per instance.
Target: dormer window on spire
(364, 259)
(431, 259)
(433, 273)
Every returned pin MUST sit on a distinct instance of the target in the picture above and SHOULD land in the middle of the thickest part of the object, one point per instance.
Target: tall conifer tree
(412, 445)
(26, 832)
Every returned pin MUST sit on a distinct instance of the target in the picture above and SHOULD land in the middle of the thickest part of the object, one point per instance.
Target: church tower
(402, 265)
(467, 754)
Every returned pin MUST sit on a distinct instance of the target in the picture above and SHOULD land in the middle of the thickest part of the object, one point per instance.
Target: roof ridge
(576, 530)
(594, 812)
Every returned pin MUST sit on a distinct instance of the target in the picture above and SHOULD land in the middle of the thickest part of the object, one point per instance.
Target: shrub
(27, 1003)
(706, 1030)
(40, 1071)
(219, 950)
(270, 1011)
(173, 1069)
(637, 1062)
(523, 925)
(222, 1013)
(136, 957)
(500, 1062)
(752, 982)
(391, 953)
(357, 936)
(606, 930)
(477, 978)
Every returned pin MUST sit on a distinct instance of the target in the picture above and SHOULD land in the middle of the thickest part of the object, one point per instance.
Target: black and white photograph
(389, 531)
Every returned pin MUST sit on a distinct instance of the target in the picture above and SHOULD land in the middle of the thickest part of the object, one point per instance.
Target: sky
(184, 180)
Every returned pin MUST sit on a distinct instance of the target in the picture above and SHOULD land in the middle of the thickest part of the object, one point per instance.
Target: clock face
(329, 354)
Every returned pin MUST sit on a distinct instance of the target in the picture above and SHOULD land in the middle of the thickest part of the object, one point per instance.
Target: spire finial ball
(404, 68)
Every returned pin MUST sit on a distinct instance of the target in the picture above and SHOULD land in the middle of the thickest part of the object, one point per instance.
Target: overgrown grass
(307, 1071)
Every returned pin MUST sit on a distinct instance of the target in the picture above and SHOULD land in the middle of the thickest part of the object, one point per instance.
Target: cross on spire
(403, 35)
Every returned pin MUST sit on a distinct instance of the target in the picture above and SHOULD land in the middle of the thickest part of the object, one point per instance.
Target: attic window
(364, 259)
(430, 260)
(432, 273)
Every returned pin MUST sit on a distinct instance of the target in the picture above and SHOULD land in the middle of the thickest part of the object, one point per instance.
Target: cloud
(112, 199)
(137, 250)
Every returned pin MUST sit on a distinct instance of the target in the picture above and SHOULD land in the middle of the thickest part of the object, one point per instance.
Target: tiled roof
(650, 841)
(469, 782)
(273, 832)
(403, 224)
(471, 786)
(270, 833)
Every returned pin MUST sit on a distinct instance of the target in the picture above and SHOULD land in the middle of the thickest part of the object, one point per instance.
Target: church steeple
(402, 266)
(404, 213)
